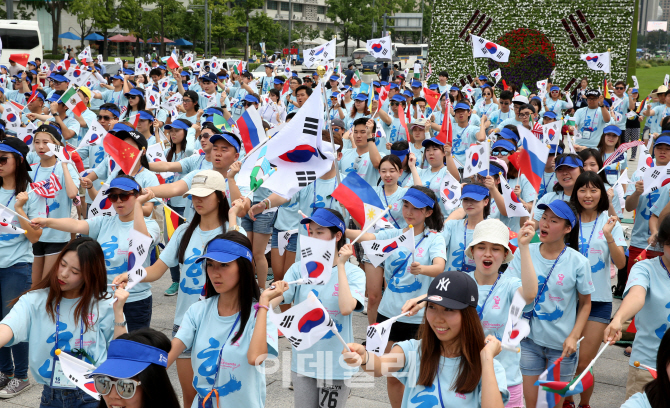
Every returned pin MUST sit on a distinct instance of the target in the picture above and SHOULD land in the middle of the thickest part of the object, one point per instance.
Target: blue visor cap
(561, 209)
(324, 218)
(251, 98)
(482, 78)
(126, 359)
(636, 91)
(334, 77)
(408, 93)
(135, 92)
(185, 73)
(146, 116)
(393, 85)
(554, 88)
(418, 198)
(416, 84)
(549, 114)
(278, 81)
(121, 127)
(454, 88)
(228, 137)
(224, 251)
(54, 97)
(569, 161)
(5, 67)
(38, 94)
(493, 170)
(462, 105)
(177, 124)
(374, 83)
(505, 144)
(361, 97)
(508, 134)
(664, 138)
(484, 86)
(213, 111)
(153, 60)
(553, 149)
(334, 94)
(123, 183)
(401, 154)
(119, 77)
(433, 87)
(9, 149)
(432, 141)
(477, 193)
(161, 66)
(128, 71)
(612, 129)
(58, 78)
(383, 83)
(398, 98)
(536, 98)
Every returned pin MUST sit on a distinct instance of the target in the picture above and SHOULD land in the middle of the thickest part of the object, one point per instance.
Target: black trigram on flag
(474, 24)
(306, 252)
(311, 126)
(327, 255)
(371, 332)
(305, 177)
(287, 321)
(577, 26)
(294, 342)
(402, 238)
(375, 246)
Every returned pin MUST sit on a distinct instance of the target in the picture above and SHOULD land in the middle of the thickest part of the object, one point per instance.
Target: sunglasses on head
(123, 196)
(104, 117)
(125, 387)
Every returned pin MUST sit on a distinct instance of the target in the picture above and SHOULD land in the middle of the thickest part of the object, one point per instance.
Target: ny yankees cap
(453, 290)
(126, 359)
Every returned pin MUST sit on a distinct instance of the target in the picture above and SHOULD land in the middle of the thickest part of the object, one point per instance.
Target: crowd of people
(449, 298)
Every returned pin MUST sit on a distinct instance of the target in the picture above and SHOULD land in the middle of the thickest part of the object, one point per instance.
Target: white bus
(19, 37)
(409, 53)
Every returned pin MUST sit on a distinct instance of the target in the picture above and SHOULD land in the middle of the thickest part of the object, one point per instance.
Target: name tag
(58, 377)
(586, 135)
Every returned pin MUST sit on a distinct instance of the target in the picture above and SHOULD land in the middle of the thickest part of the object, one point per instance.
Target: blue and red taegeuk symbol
(390, 247)
(551, 133)
(475, 159)
(11, 117)
(28, 140)
(314, 269)
(131, 260)
(112, 165)
(311, 319)
(650, 161)
(76, 73)
(94, 138)
(300, 154)
(449, 193)
(377, 47)
(491, 47)
(319, 51)
(105, 204)
(666, 181)
(514, 197)
(592, 58)
(152, 99)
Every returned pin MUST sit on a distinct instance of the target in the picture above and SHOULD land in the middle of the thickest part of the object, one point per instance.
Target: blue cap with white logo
(126, 359)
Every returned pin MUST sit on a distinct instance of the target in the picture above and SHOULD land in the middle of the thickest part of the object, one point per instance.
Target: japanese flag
(378, 251)
(305, 323)
(476, 159)
(517, 327)
(513, 205)
(316, 260)
(551, 132)
(450, 192)
(102, 205)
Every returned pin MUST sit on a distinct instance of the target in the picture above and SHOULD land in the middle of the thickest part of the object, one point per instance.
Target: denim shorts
(535, 359)
(601, 312)
(186, 353)
(264, 223)
(292, 242)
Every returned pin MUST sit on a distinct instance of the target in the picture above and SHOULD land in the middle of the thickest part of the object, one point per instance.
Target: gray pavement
(610, 371)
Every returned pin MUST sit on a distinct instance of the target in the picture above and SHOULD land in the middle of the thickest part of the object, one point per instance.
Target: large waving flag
(359, 198)
(305, 323)
(532, 158)
(477, 158)
(597, 61)
(251, 129)
(482, 48)
(123, 154)
(316, 263)
(513, 205)
(325, 52)
(379, 47)
(378, 251)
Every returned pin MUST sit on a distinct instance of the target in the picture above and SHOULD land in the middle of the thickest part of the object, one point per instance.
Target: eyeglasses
(205, 136)
(104, 117)
(524, 115)
(125, 387)
(123, 196)
(3, 160)
(186, 101)
(133, 96)
(500, 153)
(619, 88)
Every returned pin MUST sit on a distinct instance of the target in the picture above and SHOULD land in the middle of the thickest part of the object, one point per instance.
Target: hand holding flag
(316, 262)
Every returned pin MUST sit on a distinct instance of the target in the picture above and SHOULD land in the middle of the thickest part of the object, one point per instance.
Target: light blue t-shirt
(203, 330)
(15, 248)
(546, 199)
(494, 318)
(590, 123)
(654, 122)
(528, 192)
(622, 110)
(614, 170)
(557, 107)
(395, 131)
(433, 181)
(327, 351)
(117, 98)
(30, 323)
(643, 211)
(112, 234)
(395, 201)
(498, 117)
(638, 400)
(652, 320)
(513, 223)
(483, 109)
(549, 180)
(555, 314)
(287, 218)
(419, 396)
(454, 233)
(73, 125)
(61, 205)
(177, 201)
(403, 285)
(363, 167)
(510, 121)
(92, 155)
(462, 139)
(599, 254)
(420, 154)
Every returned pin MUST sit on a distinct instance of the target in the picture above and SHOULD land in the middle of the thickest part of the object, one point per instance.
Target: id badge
(58, 377)
(586, 134)
(205, 404)
(612, 176)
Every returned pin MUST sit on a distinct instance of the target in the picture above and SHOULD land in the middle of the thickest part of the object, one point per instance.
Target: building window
(297, 8)
(284, 7)
(320, 9)
(272, 5)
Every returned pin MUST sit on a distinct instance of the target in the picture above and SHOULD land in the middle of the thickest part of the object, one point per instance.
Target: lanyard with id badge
(207, 400)
(586, 132)
(529, 315)
(58, 377)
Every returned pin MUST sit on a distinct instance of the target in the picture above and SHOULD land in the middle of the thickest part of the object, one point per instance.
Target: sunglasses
(123, 196)
(524, 115)
(125, 387)
(247, 104)
(395, 103)
(619, 88)
(204, 136)
(133, 96)
(504, 103)
(104, 117)
(500, 153)
(3, 160)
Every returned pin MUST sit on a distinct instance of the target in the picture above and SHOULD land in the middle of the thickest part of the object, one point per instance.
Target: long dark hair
(571, 239)
(223, 218)
(94, 275)
(595, 153)
(182, 144)
(657, 390)
(435, 221)
(366, 110)
(247, 287)
(21, 175)
(471, 342)
(590, 179)
(334, 230)
(157, 390)
(141, 105)
(487, 207)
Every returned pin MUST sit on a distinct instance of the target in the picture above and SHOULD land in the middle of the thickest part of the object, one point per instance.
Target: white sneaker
(365, 306)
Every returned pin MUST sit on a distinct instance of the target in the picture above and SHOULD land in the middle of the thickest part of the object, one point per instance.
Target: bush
(215, 50)
(642, 64)
(199, 51)
(252, 66)
(233, 50)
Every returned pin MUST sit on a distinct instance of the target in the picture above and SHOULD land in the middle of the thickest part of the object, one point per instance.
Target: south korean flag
(513, 205)
(552, 132)
(378, 251)
(102, 205)
(450, 192)
(316, 260)
(155, 154)
(476, 159)
(380, 47)
(305, 323)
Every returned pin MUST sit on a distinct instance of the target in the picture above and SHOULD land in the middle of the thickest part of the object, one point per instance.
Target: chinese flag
(123, 154)
(431, 97)
(21, 59)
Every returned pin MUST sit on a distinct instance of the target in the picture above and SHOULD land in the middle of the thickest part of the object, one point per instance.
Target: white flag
(164, 85)
(513, 205)
(7, 228)
(85, 56)
(377, 336)
(517, 327)
(12, 118)
(325, 52)
(482, 48)
(152, 97)
(379, 47)
(378, 251)
(27, 134)
(468, 90)
(60, 152)
(654, 177)
(138, 249)
(618, 187)
(155, 154)
(102, 205)
(75, 371)
(597, 61)
(316, 263)
(211, 99)
(215, 66)
(139, 66)
(188, 60)
(450, 192)
(666, 80)
(136, 276)
(283, 240)
(542, 85)
(476, 160)
(497, 74)
(552, 132)
(305, 323)
(94, 135)
(635, 83)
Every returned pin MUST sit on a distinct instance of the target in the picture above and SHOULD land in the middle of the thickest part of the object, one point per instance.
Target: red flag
(537, 130)
(432, 97)
(123, 154)
(172, 62)
(21, 59)
(505, 87)
(446, 131)
(285, 88)
(75, 157)
(33, 95)
(403, 121)
(631, 327)
(47, 188)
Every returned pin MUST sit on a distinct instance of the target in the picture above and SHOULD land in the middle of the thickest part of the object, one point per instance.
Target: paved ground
(610, 371)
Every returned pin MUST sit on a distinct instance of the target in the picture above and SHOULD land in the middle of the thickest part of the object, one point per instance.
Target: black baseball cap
(453, 290)
(134, 135)
(593, 92)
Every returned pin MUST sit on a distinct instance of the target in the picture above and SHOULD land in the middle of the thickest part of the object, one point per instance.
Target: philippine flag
(359, 198)
(251, 130)
(532, 158)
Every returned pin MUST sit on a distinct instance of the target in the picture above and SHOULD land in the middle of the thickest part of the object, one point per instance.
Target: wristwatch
(371, 139)
(122, 324)
(55, 114)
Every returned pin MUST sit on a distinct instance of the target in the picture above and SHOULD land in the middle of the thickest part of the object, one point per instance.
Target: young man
(302, 93)
(517, 102)
(385, 73)
(417, 89)
(391, 124)
(268, 80)
(364, 158)
(443, 76)
(591, 121)
(464, 134)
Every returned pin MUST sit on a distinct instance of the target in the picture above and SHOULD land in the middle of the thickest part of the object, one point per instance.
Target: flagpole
(254, 150)
(15, 213)
(332, 144)
(136, 161)
(172, 209)
(333, 328)
(295, 282)
(413, 250)
(379, 217)
(586, 370)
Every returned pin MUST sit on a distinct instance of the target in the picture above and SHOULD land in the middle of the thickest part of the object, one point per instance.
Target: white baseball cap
(493, 231)
(205, 183)
(520, 99)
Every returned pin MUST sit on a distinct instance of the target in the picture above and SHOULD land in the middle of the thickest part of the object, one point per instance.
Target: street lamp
(208, 25)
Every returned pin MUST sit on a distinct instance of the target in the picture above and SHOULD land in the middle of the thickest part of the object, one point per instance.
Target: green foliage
(199, 50)
(328, 33)
(232, 50)
(252, 66)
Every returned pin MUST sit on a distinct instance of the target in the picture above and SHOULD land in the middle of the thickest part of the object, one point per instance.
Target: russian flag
(359, 198)
(558, 388)
(251, 129)
(532, 158)
(549, 376)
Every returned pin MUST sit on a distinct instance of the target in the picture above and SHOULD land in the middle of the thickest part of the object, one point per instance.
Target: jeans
(138, 314)
(13, 282)
(62, 398)
(174, 271)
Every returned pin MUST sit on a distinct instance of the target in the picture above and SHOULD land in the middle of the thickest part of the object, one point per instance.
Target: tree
(328, 34)
(344, 14)
(84, 10)
(105, 18)
(245, 7)
(263, 29)
(54, 8)
(304, 32)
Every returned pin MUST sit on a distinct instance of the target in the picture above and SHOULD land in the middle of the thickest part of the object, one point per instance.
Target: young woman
(274, 112)
(359, 110)
(488, 104)
(549, 177)
(554, 103)
(213, 217)
(536, 103)
(68, 310)
(136, 102)
(451, 363)
(561, 308)
(437, 154)
(16, 250)
(189, 108)
(134, 374)
(502, 149)
(51, 242)
(579, 94)
(593, 162)
(418, 135)
(112, 232)
(228, 333)
(401, 150)
(145, 126)
(610, 141)
(656, 393)
(567, 167)
(406, 279)
(645, 297)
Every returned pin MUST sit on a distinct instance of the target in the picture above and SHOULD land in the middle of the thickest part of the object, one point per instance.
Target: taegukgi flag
(482, 48)
(597, 61)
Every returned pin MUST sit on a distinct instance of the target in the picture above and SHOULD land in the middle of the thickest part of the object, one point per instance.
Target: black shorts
(400, 331)
(41, 249)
